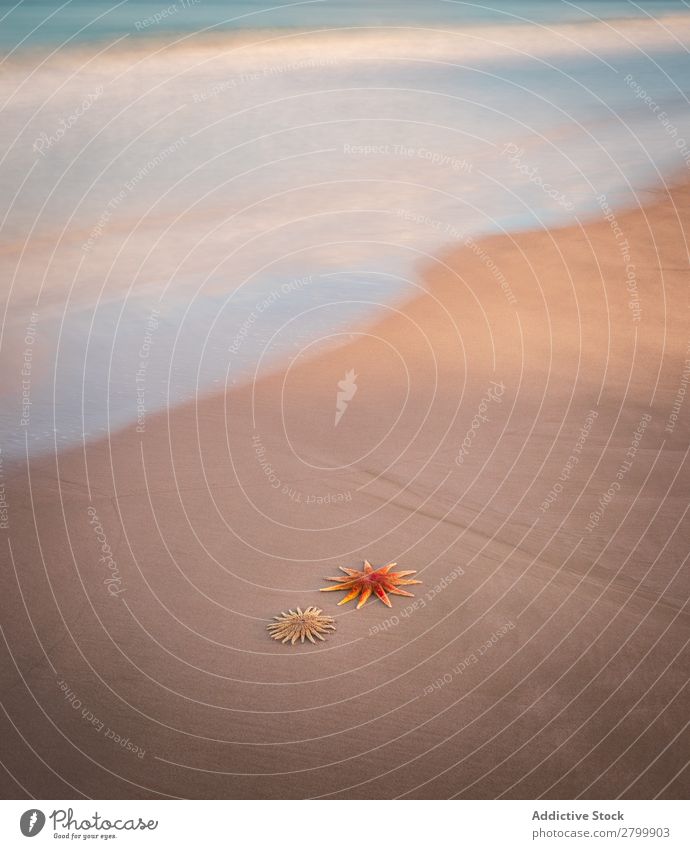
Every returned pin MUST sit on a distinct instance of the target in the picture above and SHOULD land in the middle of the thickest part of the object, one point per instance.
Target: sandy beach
(518, 435)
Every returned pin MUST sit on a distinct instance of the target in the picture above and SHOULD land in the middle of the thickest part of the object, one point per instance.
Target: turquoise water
(31, 21)
(176, 220)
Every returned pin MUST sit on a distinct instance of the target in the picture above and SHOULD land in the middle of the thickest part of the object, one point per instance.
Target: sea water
(195, 193)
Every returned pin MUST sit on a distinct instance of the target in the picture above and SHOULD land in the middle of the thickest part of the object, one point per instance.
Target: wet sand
(511, 438)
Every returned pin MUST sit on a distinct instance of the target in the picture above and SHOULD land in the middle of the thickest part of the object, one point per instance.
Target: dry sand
(545, 652)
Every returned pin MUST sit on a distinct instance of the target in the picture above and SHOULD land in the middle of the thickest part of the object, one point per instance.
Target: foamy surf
(180, 218)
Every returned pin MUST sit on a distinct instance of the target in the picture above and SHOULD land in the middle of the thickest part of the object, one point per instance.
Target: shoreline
(577, 634)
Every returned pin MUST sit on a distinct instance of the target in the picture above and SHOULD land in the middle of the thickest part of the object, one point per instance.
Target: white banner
(413, 824)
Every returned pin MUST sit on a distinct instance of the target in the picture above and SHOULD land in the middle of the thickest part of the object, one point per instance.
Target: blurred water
(176, 219)
(52, 22)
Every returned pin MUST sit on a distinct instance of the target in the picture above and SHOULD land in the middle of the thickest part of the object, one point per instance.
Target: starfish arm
(368, 567)
(366, 592)
(337, 578)
(352, 594)
(384, 570)
(381, 593)
(346, 586)
(402, 574)
(351, 572)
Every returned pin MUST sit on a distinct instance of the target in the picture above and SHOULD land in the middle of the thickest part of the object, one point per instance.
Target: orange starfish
(379, 581)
